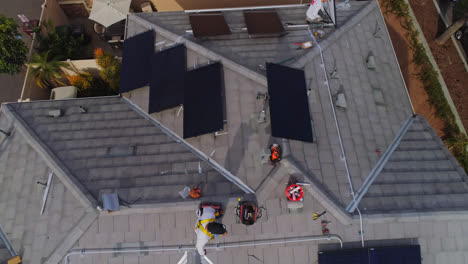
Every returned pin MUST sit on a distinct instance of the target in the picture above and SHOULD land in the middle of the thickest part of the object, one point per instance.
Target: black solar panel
(203, 101)
(211, 24)
(168, 69)
(289, 107)
(136, 61)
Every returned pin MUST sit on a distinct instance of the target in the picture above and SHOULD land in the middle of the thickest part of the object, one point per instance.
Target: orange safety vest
(275, 154)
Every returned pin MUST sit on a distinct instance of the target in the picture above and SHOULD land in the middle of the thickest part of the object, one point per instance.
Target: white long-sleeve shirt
(203, 238)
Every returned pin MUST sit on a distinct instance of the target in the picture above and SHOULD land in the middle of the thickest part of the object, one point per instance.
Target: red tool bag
(248, 212)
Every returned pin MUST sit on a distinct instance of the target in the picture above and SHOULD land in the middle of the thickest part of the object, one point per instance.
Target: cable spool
(294, 192)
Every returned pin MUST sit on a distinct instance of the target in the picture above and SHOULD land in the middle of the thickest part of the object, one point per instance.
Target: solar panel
(289, 107)
(212, 24)
(263, 22)
(136, 61)
(168, 69)
(203, 101)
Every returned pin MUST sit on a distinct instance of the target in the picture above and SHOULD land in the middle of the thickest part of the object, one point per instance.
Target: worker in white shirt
(207, 229)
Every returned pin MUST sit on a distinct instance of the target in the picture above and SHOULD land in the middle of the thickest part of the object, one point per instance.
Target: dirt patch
(409, 69)
(446, 56)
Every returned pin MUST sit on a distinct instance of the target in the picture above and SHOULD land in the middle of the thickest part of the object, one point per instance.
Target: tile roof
(239, 46)
(34, 236)
(377, 102)
(420, 175)
(112, 148)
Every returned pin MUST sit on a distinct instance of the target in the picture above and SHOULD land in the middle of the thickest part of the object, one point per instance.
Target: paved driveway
(10, 86)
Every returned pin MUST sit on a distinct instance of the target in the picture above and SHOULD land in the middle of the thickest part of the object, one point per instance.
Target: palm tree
(47, 72)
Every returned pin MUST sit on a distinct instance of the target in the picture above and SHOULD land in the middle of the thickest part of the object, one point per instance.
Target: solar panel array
(203, 101)
(289, 107)
(211, 24)
(263, 22)
(136, 61)
(168, 69)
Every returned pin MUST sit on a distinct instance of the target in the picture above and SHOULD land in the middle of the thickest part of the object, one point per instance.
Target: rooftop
(409, 187)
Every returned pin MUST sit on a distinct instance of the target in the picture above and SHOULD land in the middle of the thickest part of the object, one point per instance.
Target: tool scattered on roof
(195, 192)
(248, 212)
(317, 216)
(304, 45)
(319, 33)
(325, 230)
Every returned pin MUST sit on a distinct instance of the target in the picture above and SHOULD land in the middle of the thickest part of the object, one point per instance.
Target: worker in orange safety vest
(275, 155)
(207, 228)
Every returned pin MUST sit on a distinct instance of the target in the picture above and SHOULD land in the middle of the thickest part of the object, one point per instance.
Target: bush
(12, 50)
(110, 69)
(60, 42)
(456, 141)
(89, 86)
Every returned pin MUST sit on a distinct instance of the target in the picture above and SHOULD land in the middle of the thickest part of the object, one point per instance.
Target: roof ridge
(335, 35)
(54, 163)
(209, 53)
(380, 165)
(202, 156)
(444, 148)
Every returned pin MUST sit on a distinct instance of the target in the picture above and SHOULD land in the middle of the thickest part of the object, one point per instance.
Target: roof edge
(327, 202)
(228, 175)
(244, 71)
(61, 251)
(380, 165)
(447, 152)
(57, 166)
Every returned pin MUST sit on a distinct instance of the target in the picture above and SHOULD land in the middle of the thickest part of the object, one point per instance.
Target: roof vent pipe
(55, 113)
(371, 61)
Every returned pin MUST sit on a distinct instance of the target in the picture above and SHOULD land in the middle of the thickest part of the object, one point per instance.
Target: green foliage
(456, 141)
(59, 42)
(12, 50)
(110, 69)
(461, 7)
(89, 85)
(47, 71)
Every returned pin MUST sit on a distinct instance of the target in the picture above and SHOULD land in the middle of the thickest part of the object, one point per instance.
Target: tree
(460, 13)
(110, 69)
(12, 49)
(47, 72)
